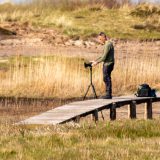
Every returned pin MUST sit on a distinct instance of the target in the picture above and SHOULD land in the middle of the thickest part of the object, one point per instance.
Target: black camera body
(87, 64)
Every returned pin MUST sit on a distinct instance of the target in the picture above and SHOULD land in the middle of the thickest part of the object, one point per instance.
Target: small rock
(79, 43)
(70, 42)
(59, 40)
(67, 43)
(6, 42)
(157, 42)
(20, 41)
(89, 43)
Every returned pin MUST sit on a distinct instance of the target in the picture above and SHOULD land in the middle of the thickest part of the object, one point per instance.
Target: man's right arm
(98, 58)
(105, 53)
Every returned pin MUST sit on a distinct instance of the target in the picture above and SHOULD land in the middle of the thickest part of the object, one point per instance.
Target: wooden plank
(148, 109)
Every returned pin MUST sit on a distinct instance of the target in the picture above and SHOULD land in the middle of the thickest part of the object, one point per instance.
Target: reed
(66, 77)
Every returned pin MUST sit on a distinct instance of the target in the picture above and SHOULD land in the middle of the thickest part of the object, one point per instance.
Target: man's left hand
(94, 63)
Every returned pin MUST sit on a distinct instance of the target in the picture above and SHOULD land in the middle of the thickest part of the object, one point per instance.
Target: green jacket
(108, 54)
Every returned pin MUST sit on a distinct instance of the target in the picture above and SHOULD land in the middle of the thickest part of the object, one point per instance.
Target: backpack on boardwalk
(144, 90)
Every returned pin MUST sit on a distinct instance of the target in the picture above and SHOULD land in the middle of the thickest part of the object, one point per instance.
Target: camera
(87, 64)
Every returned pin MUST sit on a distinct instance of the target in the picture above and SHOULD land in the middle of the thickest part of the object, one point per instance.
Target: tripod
(90, 85)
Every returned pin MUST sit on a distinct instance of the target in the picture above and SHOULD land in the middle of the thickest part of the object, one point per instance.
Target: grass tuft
(119, 140)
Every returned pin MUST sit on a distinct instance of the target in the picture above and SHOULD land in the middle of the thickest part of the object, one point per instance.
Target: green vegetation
(125, 22)
(121, 140)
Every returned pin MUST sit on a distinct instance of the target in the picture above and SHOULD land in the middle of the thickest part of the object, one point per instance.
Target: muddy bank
(122, 50)
(23, 39)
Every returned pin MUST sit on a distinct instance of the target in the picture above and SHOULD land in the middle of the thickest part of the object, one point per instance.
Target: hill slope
(141, 22)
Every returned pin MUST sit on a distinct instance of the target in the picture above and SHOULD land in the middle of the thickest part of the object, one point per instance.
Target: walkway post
(95, 115)
(132, 110)
(113, 112)
(77, 119)
(148, 109)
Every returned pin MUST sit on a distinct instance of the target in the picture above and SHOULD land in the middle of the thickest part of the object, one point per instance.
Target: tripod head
(88, 64)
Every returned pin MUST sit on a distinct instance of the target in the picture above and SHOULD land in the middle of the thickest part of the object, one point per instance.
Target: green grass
(86, 21)
(121, 140)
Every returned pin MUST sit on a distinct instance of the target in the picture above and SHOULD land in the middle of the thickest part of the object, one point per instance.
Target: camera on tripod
(87, 64)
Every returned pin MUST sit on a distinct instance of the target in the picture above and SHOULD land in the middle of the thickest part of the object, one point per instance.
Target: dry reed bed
(66, 77)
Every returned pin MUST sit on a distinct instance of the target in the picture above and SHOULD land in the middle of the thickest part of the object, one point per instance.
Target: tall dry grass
(74, 4)
(63, 77)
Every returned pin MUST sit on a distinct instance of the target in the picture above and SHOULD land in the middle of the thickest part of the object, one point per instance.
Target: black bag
(153, 93)
(144, 90)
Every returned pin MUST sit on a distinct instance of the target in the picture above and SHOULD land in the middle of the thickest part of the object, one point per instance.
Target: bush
(144, 10)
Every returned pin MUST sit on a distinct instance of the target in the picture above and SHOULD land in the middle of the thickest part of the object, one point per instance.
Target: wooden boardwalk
(74, 111)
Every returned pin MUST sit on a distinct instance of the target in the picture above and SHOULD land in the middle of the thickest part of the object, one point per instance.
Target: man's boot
(108, 95)
(108, 82)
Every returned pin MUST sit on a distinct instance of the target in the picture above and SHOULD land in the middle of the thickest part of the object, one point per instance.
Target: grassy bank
(121, 140)
(84, 21)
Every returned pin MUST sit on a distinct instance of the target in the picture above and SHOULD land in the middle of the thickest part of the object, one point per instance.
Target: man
(108, 63)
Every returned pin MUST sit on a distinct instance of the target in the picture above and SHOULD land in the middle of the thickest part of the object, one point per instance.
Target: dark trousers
(107, 70)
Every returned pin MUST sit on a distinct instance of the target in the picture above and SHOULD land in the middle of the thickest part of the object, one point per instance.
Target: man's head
(102, 37)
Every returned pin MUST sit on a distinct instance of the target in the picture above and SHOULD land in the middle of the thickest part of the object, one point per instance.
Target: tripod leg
(86, 92)
(94, 91)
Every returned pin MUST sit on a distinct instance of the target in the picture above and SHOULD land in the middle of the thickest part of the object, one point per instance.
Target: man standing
(108, 63)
